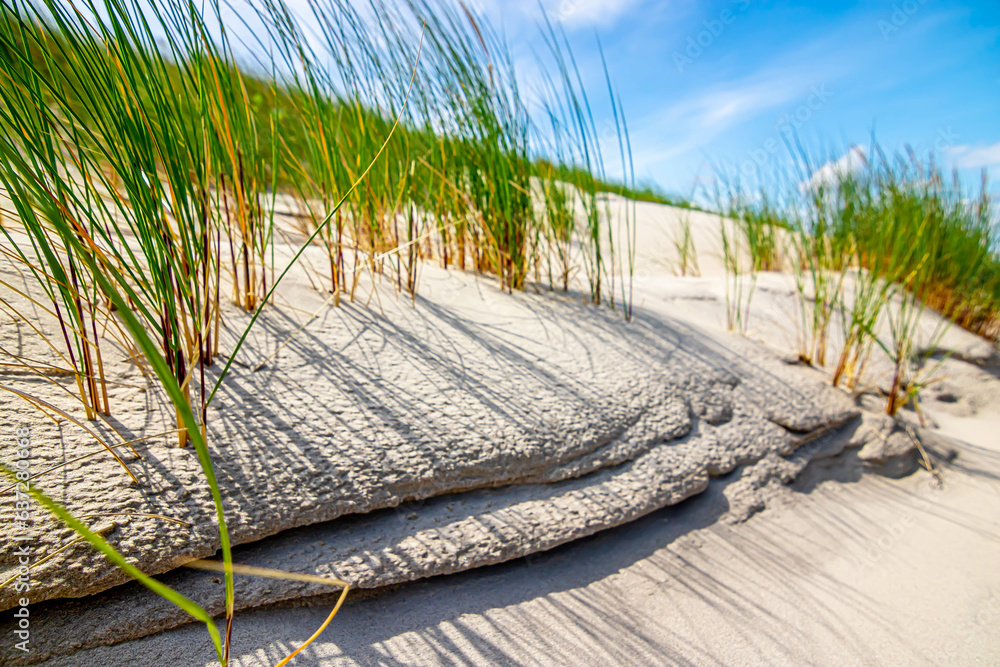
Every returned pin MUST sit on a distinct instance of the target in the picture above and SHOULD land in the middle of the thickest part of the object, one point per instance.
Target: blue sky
(721, 83)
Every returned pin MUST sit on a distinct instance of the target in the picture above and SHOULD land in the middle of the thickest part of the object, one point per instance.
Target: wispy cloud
(975, 157)
(692, 123)
(590, 13)
(572, 14)
(755, 103)
(733, 102)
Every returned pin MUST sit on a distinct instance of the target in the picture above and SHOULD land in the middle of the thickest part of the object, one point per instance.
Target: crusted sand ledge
(392, 441)
(447, 534)
(867, 568)
(368, 408)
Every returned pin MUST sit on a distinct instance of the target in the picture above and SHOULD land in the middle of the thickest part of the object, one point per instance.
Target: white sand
(855, 572)
(860, 571)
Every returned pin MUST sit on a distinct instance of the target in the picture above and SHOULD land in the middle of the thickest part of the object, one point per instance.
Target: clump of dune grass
(749, 231)
(918, 244)
(143, 245)
(117, 163)
(874, 249)
(741, 281)
(158, 143)
(560, 225)
(686, 263)
(144, 159)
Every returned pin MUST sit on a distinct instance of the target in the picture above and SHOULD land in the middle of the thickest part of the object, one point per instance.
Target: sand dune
(387, 441)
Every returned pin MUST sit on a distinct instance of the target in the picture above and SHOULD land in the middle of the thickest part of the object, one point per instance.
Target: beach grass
(871, 250)
(144, 150)
(143, 157)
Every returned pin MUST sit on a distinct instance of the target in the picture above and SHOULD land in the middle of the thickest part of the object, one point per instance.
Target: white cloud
(573, 14)
(975, 157)
(830, 173)
(588, 13)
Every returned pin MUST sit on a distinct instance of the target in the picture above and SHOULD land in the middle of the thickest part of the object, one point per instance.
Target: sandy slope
(366, 408)
(860, 571)
(871, 571)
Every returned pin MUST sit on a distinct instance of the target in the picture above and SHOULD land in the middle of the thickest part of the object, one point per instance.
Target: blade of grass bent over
(98, 542)
(159, 365)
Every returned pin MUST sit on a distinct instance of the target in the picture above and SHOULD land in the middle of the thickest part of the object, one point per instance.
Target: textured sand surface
(476, 427)
(442, 535)
(854, 570)
(368, 408)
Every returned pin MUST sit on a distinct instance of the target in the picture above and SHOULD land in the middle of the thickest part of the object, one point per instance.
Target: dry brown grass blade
(46, 369)
(37, 402)
(75, 397)
(130, 444)
(248, 570)
(17, 314)
(118, 335)
(925, 460)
